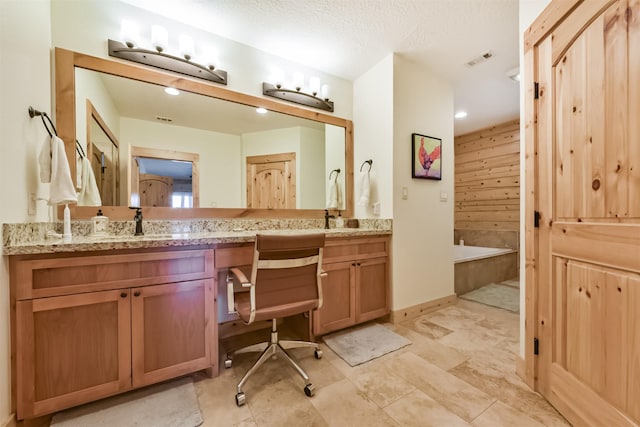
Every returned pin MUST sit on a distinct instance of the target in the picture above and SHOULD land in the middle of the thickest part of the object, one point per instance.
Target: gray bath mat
(172, 404)
(363, 343)
(501, 296)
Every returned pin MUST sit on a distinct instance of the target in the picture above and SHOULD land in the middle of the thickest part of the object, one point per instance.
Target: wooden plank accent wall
(487, 176)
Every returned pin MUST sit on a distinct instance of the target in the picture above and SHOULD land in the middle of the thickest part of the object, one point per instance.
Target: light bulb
(211, 59)
(326, 92)
(278, 78)
(130, 33)
(298, 80)
(159, 38)
(314, 85)
(186, 46)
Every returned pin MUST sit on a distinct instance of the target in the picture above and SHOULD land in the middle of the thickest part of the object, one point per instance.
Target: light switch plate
(405, 193)
(444, 196)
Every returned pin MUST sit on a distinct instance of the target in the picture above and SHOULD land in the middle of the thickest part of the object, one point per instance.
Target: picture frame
(426, 157)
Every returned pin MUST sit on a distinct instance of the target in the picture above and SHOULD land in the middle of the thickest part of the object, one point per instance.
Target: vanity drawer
(236, 256)
(337, 250)
(45, 277)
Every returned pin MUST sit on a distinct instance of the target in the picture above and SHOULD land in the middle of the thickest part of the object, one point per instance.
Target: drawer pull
(123, 295)
(136, 294)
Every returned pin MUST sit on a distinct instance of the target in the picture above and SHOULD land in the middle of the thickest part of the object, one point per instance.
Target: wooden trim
(92, 113)
(547, 21)
(66, 60)
(418, 310)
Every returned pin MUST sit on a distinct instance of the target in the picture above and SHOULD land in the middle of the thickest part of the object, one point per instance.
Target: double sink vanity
(95, 316)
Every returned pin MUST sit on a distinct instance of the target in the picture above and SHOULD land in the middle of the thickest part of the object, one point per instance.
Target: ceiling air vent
(479, 59)
(164, 119)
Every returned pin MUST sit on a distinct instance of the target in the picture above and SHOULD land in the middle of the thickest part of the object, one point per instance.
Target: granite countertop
(41, 245)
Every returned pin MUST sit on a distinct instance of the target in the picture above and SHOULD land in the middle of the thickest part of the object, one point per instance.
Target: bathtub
(476, 266)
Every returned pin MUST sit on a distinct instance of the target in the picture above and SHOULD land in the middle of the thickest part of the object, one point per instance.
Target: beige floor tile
(419, 410)
(444, 357)
(423, 326)
(500, 414)
(342, 404)
(381, 385)
(454, 394)
(472, 341)
(498, 380)
(216, 397)
(283, 404)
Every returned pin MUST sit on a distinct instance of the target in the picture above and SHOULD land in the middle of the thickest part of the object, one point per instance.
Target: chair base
(271, 349)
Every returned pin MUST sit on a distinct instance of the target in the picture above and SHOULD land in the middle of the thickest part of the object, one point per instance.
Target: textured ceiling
(347, 37)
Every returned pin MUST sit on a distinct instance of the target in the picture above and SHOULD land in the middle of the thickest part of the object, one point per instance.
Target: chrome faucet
(138, 219)
(326, 218)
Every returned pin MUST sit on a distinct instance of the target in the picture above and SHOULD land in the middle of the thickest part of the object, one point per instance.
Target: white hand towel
(44, 159)
(89, 194)
(365, 189)
(61, 189)
(332, 203)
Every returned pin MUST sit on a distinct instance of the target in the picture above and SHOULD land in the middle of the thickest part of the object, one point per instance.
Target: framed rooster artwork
(426, 157)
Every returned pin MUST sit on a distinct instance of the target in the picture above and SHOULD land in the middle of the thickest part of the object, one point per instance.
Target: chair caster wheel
(240, 399)
(227, 363)
(318, 354)
(309, 390)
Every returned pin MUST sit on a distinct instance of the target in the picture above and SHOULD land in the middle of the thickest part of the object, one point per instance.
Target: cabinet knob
(123, 295)
(136, 294)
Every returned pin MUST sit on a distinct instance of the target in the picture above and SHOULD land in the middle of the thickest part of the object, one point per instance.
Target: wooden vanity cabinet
(356, 288)
(92, 326)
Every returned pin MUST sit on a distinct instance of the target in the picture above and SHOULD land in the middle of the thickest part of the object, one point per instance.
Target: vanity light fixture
(317, 98)
(158, 57)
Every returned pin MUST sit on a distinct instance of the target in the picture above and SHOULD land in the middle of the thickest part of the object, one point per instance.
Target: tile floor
(458, 371)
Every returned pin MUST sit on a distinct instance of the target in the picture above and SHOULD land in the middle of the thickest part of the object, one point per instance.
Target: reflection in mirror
(224, 135)
(76, 80)
(103, 151)
(163, 178)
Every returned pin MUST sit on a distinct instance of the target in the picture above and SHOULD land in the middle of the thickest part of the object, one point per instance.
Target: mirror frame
(65, 63)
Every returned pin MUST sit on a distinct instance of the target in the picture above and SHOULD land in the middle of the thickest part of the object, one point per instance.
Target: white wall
(220, 156)
(528, 11)
(24, 80)
(422, 224)
(373, 136)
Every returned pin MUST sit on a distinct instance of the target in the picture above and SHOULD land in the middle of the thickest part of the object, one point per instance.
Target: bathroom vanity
(94, 318)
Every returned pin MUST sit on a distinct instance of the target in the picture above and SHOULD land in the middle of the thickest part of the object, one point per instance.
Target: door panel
(587, 189)
(271, 181)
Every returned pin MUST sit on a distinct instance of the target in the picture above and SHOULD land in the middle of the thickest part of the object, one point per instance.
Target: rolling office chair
(285, 281)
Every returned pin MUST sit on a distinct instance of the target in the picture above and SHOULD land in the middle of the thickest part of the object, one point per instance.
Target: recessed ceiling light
(172, 91)
(261, 110)
(460, 115)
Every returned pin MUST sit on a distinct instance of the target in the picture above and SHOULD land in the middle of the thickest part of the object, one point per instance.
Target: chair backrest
(286, 269)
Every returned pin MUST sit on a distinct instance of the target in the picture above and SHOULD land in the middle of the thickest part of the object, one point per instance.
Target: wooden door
(171, 329)
(155, 190)
(271, 181)
(586, 252)
(73, 349)
(338, 294)
(372, 292)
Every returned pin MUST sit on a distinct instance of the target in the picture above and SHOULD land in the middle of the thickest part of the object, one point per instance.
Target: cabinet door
(171, 328)
(338, 292)
(372, 292)
(73, 349)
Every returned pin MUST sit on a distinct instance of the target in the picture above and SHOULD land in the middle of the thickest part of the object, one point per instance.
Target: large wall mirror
(216, 131)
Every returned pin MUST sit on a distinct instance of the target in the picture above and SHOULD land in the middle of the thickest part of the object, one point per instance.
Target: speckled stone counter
(31, 238)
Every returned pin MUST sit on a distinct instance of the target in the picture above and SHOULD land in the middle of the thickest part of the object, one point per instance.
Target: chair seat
(243, 307)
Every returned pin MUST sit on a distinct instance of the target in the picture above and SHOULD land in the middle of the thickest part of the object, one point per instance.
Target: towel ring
(33, 113)
(337, 171)
(369, 162)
